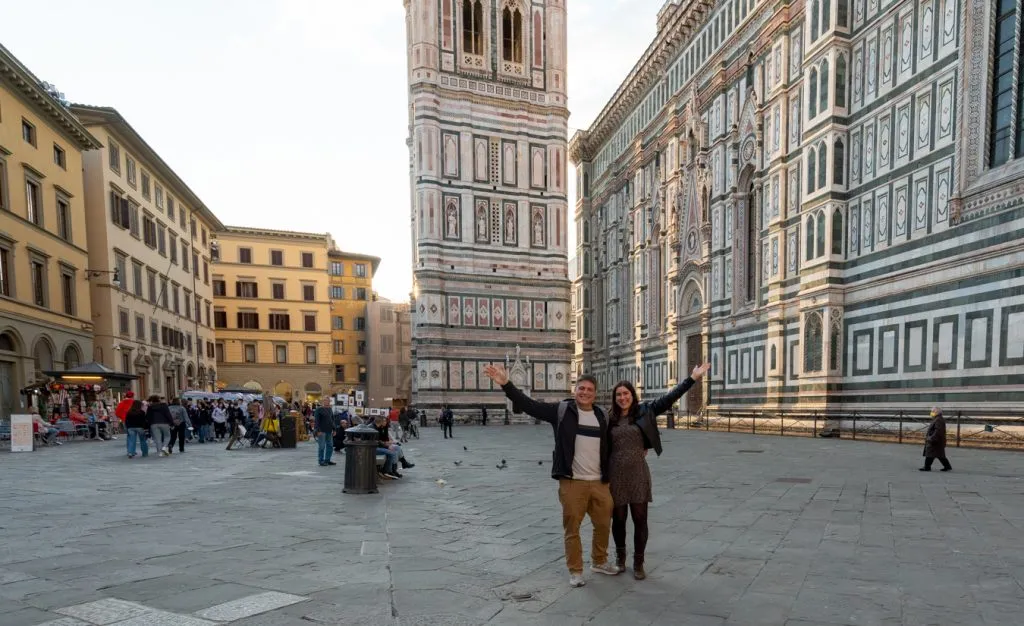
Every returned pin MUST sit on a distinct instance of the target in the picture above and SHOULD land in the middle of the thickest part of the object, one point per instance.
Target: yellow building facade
(272, 312)
(146, 224)
(351, 289)
(44, 297)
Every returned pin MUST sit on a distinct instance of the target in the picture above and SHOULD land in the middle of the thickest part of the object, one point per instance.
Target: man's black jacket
(565, 433)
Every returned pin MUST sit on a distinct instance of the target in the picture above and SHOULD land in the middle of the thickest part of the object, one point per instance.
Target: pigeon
(501, 466)
(441, 482)
(458, 462)
(503, 462)
(465, 448)
(540, 462)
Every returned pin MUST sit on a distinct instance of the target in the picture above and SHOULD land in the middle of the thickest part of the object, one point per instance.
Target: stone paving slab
(745, 530)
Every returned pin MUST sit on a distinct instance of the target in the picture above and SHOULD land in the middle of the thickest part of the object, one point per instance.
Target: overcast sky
(288, 114)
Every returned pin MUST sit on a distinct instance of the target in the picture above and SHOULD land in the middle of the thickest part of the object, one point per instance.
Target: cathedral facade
(821, 197)
(488, 166)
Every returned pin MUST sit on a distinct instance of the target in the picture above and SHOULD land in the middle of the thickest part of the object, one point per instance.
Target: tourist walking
(580, 464)
(483, 416)
(323, 419)
(634, 431)
(447, 419)
(935, 442)
(179, 427)
(136, 424)
(160, 422)
(220, 420)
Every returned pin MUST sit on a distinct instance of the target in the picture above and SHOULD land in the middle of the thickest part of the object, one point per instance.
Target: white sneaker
(576, 580)
(606, 568)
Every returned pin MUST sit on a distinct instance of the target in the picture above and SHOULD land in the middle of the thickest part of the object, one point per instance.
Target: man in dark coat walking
(935, 442)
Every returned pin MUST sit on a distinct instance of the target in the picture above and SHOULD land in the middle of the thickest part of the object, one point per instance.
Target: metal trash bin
(361, 459)
(288, 434)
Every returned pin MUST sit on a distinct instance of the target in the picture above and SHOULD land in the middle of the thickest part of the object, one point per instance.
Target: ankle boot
(638, 567)
(406, 464)
(620, 559)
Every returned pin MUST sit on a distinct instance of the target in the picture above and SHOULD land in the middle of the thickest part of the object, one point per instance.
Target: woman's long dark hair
(617, 410)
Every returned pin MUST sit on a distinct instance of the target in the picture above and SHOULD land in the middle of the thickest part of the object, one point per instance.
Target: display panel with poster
(21, 433)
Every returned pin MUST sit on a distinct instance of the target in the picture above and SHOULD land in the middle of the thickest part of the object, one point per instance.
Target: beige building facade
(44, 297)
(389, 365)
(272, 311)
(151, 232)
(351, 289)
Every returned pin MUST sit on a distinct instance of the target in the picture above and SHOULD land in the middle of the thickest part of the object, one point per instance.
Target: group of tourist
(166, 424)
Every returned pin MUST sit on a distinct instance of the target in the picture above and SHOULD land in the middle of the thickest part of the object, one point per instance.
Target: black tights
(638, 512)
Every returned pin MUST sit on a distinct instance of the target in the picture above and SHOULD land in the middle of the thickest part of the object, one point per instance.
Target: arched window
(809, 238)
(752, 244)
(823, 95)
(473, 27)
(811, 164)
(819, 236)
(826, 6)
(838, 162)
(512, 35)
(812, 99)
(822, 164)
(834, 351)
(7, 343)
(72, 358)
(812, 342)
(841, 81)
(837, 232)
(814, 19)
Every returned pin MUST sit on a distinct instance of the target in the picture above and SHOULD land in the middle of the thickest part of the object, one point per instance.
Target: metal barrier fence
(964, 428)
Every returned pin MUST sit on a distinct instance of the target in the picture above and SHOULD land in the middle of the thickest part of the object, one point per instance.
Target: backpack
(563, 406)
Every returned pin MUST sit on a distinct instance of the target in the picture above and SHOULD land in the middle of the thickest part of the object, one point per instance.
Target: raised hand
(699, 371)
(497, 373)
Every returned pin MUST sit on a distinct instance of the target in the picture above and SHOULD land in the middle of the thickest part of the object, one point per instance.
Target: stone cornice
(689, 17)
(13, 73)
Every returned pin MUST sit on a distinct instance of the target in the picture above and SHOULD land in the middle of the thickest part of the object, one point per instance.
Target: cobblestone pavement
(745, 530)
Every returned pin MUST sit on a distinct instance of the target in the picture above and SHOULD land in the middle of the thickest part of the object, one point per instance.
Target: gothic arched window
(837, 232)
(834, 342)
(819, 236)
(814, 18)
(511, 35)
(841, 81)
(813, 336)
(812, 99)
(811, 163)
(822, 164)
(823, 92)
(838, 162)
(473, 27)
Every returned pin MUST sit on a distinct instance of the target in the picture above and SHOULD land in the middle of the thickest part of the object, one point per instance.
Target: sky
(287, 114)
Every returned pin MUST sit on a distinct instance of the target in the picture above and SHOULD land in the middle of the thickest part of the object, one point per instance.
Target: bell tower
(489, 212)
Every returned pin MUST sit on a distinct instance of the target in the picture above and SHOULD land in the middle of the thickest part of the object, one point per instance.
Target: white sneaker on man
(606, 568)
(576, 580)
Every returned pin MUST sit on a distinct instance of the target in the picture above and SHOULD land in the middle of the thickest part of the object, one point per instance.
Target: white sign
(343, 399)
(21, 433)
(359, 398)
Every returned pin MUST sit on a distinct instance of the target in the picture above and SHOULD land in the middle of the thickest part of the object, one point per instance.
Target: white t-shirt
(586, 462)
